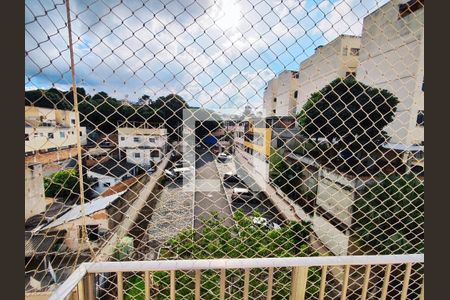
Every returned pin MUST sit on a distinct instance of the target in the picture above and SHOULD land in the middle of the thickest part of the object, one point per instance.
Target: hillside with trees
(103, 112)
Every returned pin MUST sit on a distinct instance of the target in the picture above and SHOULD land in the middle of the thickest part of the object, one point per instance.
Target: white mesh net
(224, 129)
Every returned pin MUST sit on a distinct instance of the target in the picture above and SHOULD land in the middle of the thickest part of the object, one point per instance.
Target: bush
(245, 239)
(389, 217)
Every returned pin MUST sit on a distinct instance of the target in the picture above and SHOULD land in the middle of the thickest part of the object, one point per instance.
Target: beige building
(34, 190)
(50, 129)
(392, 57)
(280, 95)
(338, 58)
(143, 145)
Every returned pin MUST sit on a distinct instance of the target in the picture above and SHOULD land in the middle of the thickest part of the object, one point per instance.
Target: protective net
(174, 130)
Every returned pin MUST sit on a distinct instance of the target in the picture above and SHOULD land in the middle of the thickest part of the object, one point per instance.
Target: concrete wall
(282, 88)
(287, 85)
(269, 94)
(144, 158)
(326, 64)
(392, 57)
(72, 238)
(153, 140)
(104, 182)
(60, 124)
(34, 190)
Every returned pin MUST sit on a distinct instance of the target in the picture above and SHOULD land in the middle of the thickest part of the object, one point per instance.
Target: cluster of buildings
(388, 55)
(113, 170)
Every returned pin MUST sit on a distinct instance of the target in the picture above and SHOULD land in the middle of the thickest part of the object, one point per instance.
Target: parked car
(242, 194)
(182, 163)
(223, 156)
(177, 172)
(231, 178)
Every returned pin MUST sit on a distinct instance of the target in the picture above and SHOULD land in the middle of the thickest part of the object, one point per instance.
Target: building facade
(392, 58)
(338, 58)
(280, 95)
(34, 190)
(143, 146)
(50, 129)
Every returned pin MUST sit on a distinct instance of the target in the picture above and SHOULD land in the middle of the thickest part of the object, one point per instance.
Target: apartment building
(392, 57)
(49, 129)
(143, 146)
(338, 58)
(280, 94)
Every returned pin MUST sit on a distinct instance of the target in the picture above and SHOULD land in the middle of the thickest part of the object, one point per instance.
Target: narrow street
(209, 194)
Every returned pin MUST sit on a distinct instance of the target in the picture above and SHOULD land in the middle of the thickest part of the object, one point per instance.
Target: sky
(216, 54)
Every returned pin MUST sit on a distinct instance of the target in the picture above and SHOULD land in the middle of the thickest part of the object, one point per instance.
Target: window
(27, 137)
(122, 138)
(50, 135)
(354, 51)
(152, 140)
(275, 99)
(136, 139)
(409, 7)
(137, 155)
(92, 232)
(421, 118)
(274, 111)
(72, 121)
(345, 51)
(295, 75)
(154, 153)
(81, 133)
(295, 94)
(62, 134)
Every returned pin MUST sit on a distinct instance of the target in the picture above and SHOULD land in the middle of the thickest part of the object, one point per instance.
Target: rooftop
(113, 168)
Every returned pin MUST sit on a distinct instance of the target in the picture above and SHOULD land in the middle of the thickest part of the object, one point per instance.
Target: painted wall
(392, 57)
(329, 62)
(34, 190)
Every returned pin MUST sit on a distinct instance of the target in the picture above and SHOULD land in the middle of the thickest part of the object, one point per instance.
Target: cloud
(215, 53)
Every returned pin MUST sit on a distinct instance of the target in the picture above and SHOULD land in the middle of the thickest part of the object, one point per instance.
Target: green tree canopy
(349, 112)
(103, 112)
(62, 184)
(242, 240)
(389, 217)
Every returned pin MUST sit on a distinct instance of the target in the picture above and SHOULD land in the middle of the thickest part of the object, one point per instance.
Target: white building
(280, 95)
(392, 58)
(50, 129)
(110, 172)
(143, 145)
(338, 58)
(34, 190)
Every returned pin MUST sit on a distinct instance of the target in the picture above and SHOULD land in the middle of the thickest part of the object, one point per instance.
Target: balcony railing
(82, 284)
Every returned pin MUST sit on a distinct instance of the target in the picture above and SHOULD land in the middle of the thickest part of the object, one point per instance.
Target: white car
(177, 172)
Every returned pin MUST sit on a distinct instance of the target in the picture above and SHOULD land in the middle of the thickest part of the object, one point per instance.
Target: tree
(245, 239)
(103, 112)
(351, 113)
(389, 217)
(62, 184)
(277, 166)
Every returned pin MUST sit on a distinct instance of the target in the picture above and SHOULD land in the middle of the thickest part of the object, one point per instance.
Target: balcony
(366, 277)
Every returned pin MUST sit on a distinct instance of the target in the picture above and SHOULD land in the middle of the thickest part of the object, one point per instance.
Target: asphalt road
(209, 194)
